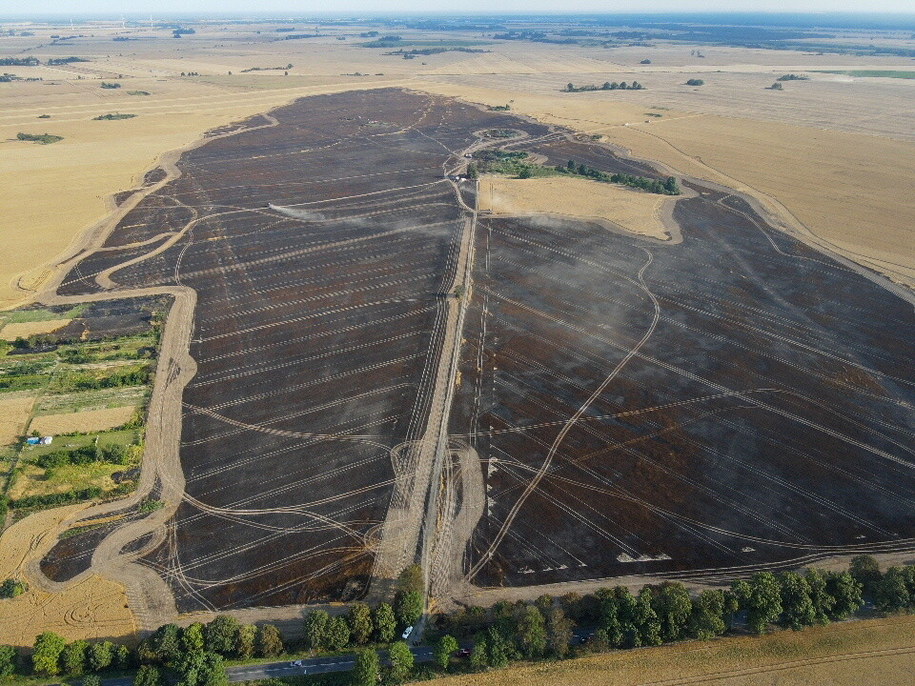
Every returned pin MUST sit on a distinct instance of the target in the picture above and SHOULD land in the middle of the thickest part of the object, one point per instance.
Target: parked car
(463, 652)
(406, 632)
(297, 663)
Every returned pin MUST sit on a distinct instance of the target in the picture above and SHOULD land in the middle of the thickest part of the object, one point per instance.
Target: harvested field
(14, 415)
(319, 315)
(847, 654)
(92, 608)
(623, 208)
(627, 405)
(649, 408)
(85, 422)
(15, 330)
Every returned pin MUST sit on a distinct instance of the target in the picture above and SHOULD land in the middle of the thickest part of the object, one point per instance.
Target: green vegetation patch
(112, 116)
(868, 73)
(606, 86)
(42, 138)
(110, 84)
(138, 93)
(39, 315)
(72, 379)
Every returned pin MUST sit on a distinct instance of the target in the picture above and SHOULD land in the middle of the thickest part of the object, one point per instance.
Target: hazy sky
(462, 6)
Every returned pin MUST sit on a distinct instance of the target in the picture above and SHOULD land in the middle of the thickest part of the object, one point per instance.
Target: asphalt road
(319, 665)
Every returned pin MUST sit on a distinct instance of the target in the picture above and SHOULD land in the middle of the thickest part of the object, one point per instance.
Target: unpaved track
(149, 596)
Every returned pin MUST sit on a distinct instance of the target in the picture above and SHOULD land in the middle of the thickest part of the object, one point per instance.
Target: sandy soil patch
(91, 608)
(14, 414)
(90, 420)
(625, 209)
(11, 332)
(847, 654)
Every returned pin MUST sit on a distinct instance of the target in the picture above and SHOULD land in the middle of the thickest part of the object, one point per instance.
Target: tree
(385, 623)
(763, 603)
(408, 607)
(92, 680)
(360, 623)
(193, 637)
(530, 633)
(823, 602)
(846, 593)
(646, 619)
(163, 646)
(445, 648)
(8, 657)
(401, 659)
(570, 86)
(12, 588)
(246, 641)
(558, 632)
(797, 607)
(338, 633)
(221, 634)
(673, 606)
(865, 570)
(46, 653)
(479, 657)
(148, 675)
(201, 669)
(707, 616)
(316, 625)
(473, 172)
(498, 650)
(269, 642)
(367, 670)
(570, 165)
(411, 579)
(122, 656)
(892, 592)
(525, 172)
(73, 658)
(672, 186)
(100, 655)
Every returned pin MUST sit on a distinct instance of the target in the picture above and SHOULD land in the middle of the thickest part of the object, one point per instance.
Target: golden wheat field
(623, 208)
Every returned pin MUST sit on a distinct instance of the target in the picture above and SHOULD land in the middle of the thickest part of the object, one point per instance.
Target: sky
(295, 7)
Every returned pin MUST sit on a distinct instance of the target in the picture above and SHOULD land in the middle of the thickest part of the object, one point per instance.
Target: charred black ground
(758, 407)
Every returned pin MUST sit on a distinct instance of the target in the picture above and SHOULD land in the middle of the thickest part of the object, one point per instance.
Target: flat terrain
(878, 651)
(622, 208)
(618, 404)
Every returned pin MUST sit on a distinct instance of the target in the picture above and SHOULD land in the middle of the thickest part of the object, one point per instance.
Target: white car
(297, 663)
(406, 632)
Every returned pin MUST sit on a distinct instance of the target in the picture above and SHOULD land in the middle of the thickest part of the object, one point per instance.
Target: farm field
(594, 365)
(371, 360)
(879, 650)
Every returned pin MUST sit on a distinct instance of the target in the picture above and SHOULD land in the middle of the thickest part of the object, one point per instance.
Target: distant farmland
(698, 407)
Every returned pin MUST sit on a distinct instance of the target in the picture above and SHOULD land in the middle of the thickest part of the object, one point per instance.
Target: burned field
(731, 400)
(734, 400)
(319, 246)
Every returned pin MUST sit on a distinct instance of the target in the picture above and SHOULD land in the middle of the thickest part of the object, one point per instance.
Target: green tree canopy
(360, 623)
(221, 634)
(408, 607)
(673, 606)
(797, 607)
(411, 579)
(100, 655)
(148, 675)
(444, 649)
(763, 602)
(246, 641)
(269, 641)
(846, 592)
(338, 633)
(46, 653)
(8, 659)
(401, 659)
(707, 615)
(316, 628)
(367, 671)
(530, 633)
(385, 623)
(559, 632)
(193, 637)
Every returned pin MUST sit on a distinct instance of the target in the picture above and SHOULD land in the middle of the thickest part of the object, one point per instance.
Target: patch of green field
(101, 399)
(73, 378)
(39, 315)
(866, 73)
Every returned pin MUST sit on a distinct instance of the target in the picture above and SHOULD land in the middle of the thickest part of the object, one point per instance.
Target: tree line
(610, 618)
(670, 186)
(607, 86)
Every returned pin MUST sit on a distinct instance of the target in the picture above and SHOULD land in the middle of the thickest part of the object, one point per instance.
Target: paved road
(319, 665)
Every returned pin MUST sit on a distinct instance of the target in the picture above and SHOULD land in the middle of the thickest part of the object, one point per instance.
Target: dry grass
(85, 422)
(91, 608)
(624, 208)
(14, 415)
(855, 193)
(879, 651)
(11, 332)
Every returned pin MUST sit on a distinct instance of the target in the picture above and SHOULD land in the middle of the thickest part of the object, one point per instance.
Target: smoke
(295, 213)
